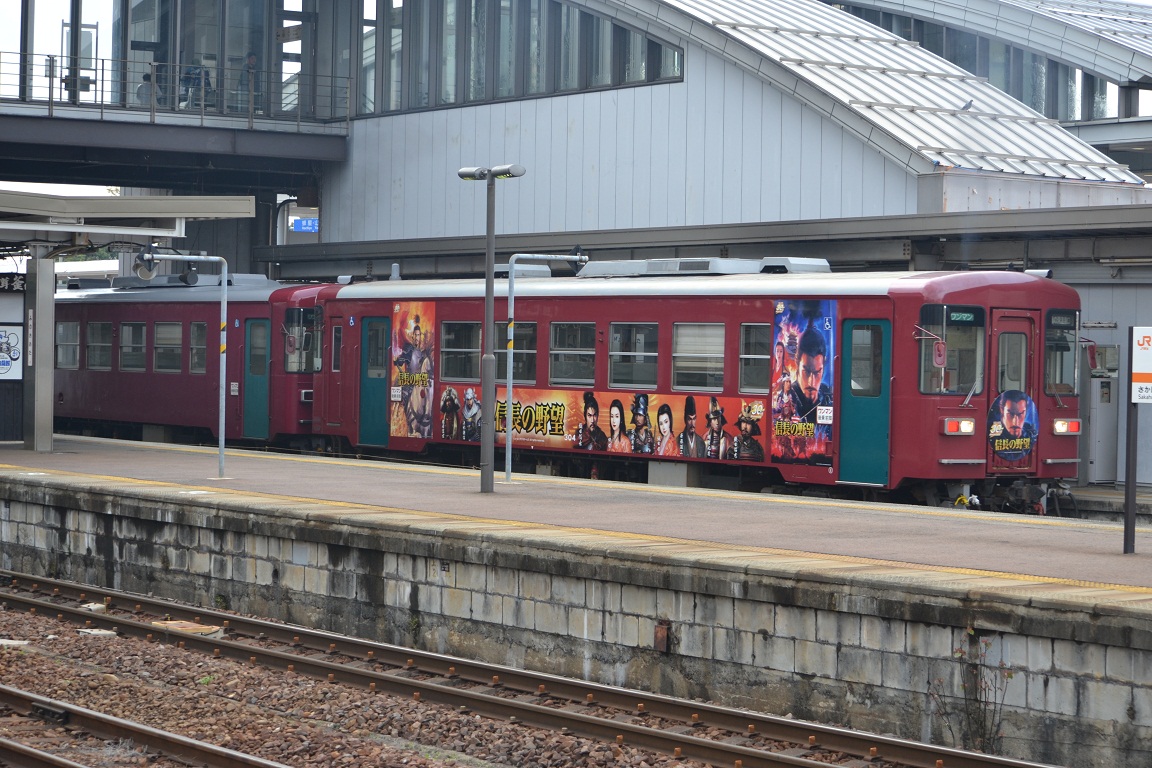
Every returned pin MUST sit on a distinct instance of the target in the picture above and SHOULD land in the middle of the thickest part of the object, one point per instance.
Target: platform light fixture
(488, 358)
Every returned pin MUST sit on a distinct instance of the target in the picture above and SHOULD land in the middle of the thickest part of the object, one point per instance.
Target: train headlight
(1066, 427)
(959, 426)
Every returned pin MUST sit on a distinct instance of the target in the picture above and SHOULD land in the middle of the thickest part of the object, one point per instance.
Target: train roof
(168, 288)
(817, 284)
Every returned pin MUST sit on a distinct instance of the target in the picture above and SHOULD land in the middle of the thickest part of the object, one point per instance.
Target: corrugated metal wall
(722, 147)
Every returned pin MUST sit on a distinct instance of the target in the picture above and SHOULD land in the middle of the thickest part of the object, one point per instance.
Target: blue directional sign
(306, 225)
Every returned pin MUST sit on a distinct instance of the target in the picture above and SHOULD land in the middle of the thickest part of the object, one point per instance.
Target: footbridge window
(418, 54)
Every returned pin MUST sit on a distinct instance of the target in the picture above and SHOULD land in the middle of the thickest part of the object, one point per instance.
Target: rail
(690, 730)
(125, 90)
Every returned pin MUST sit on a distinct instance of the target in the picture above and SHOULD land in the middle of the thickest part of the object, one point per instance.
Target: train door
(256, 334)
(375, 380)
(333, 395)
(865, 402)
(1012, 418)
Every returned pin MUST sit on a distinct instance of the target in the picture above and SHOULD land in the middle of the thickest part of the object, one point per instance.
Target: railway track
(53, 725)
(687, 730)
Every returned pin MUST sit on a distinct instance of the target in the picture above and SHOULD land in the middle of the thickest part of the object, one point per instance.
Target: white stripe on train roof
(765, 285)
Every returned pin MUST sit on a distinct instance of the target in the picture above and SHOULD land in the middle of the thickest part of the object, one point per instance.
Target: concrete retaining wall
(837, 641)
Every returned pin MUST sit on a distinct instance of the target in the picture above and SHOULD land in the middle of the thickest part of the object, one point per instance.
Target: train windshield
(301, 352)
(1061, 361)
(951, 349)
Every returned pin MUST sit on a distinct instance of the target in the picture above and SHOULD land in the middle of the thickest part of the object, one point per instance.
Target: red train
(719, 371)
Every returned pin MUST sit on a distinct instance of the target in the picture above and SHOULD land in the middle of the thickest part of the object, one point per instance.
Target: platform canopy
(26, 216)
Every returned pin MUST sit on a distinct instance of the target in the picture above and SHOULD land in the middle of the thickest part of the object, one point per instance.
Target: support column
(39, 358)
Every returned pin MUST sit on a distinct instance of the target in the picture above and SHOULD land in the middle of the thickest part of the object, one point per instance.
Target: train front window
(301, 354)
(951, 349)
(632, 355)
(698, 356)
(1061, 361)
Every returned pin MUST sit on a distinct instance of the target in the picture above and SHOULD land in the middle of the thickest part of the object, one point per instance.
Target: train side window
(572, 355)
(198, 348)
(337, 347)
(632, 355)
(698, 356)
(1013, 357)
(755, 357)
(867, 360)
(68, 345)
(133, 342)
(99, 346)
(460, 351)
(961, 330)
(524, 359)
(1061, 361)
(168, 349)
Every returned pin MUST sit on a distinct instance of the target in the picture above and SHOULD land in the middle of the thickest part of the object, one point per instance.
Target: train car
(141, 360)
(943, 385)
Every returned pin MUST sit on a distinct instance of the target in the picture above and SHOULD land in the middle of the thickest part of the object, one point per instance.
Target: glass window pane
(698, 356)
(524, 359)
(755, 358)
(460, 351)
(198, 348)
(867, 350)
(536, 74)
(632, 355)
(394, 35)
(572, 360)
(68, 345)
(258, 350)
(376, 347)
(600, 52)
(477, 49)
(337, 346)
(506, 51)
(1012, 368)
(132, 347)
(99, 346)
(635, 49)
(168, 348)
(569, 75)
(1061, 358)
(448, 53)
(963, 347)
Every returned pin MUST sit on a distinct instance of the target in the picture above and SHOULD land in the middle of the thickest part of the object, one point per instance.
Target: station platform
(850, 613)
(926, 540)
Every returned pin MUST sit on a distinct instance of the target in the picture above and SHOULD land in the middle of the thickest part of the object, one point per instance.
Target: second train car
(773, 372)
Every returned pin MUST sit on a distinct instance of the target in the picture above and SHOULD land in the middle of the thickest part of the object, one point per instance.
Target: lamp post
(488, 358)
(145, 268)
(577, 256)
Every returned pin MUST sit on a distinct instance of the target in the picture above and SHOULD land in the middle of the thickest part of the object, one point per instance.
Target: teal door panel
(375, 380)
(255, 410)
(866, 401)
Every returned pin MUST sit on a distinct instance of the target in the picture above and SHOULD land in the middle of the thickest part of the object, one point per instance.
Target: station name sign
(12, 282)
